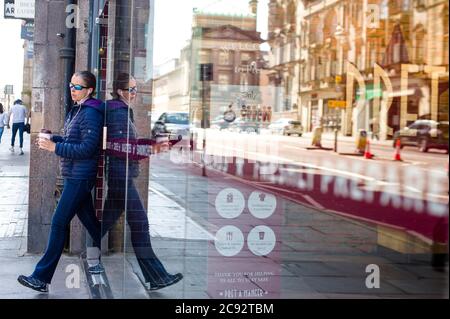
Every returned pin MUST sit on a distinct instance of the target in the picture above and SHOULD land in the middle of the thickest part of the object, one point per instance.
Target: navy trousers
(136, 215)
(17, 127)
(76, 199)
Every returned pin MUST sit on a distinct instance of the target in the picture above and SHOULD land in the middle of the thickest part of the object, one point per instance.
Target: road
(411, 194)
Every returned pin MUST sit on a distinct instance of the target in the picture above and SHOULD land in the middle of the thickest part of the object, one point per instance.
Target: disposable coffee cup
(45, 134)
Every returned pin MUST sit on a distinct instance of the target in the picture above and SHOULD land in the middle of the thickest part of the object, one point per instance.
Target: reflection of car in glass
(286, 126)
(219, 123)
(174, 124)
(424, 134)
(242, 126)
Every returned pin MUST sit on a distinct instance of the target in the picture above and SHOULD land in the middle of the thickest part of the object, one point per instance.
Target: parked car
(244, 126)
(287, 127)
(425, 134)
(219, 123)
(173, 124)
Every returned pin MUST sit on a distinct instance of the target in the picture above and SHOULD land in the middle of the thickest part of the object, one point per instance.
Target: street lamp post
(335, 138)
(206, 75)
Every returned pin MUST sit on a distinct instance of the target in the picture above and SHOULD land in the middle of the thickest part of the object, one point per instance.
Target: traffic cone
(397, 156)
(367, 153)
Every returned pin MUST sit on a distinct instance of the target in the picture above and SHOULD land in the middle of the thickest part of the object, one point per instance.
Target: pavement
(317, 254)
(14, 259)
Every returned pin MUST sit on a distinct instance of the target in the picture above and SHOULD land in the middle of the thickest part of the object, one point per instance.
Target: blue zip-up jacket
(118, 116)
(79, 149)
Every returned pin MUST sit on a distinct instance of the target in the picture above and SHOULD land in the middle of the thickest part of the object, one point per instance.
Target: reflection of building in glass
(385, 62)
(232, 45)
(171, 85)
(284, 58)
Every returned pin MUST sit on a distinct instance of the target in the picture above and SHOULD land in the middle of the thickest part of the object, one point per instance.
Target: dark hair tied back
(121, 83)
(89, 80)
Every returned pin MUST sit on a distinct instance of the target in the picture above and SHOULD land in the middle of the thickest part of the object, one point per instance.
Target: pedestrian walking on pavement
(79, 150)
(19, 114)
(375, 125)
(3, 121)
(122, 169)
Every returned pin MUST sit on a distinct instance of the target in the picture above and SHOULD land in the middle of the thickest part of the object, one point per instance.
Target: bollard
(335, 140)
(317, 137)
(361, 142)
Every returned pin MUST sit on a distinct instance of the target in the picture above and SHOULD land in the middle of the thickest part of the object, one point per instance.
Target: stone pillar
(47, 111)
(77, 230)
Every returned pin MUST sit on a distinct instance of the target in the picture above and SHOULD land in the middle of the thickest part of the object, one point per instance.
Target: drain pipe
(67, 55)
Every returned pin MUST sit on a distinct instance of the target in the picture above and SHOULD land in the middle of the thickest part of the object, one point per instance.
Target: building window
(205, 56)
(224, 81)
(224, 58)
(405, 5)
(397, 48)
(244, 82)
(445, 27)
(384, 12)
(420, 46)
(288, 91)
(245, 57)
(306, 70)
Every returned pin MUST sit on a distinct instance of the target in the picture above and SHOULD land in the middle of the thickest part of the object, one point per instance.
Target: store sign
(244, 262)
(9, 12)
(9, 89)
(19, 9)
(337, 104)
(24, 9)
(27, 32)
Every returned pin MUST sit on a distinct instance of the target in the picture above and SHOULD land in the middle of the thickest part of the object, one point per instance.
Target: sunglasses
(132, 89)
(77, 87)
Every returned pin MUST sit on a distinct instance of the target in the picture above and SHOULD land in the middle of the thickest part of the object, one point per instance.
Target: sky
(11, 54)
(173, 21)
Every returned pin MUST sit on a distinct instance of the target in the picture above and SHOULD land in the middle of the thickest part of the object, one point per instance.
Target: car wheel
(423, 145)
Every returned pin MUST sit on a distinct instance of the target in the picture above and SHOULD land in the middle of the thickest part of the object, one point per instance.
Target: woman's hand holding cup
(44, 141)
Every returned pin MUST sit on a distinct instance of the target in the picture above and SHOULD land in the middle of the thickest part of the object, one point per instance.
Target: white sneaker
(11, 149)
(21, 152)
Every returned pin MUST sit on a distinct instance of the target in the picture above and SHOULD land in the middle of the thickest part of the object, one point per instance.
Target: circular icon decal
(229, 241)
(262, 205)
(261, 240)
(230, 203)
